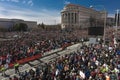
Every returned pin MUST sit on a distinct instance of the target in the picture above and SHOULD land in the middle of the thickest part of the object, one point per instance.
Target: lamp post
(104, 35)
(116, 28)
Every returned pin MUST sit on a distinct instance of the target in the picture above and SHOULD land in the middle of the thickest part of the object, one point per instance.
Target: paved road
(40, 61)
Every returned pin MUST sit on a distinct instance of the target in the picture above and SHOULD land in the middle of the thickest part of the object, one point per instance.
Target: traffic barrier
(37, 56)
(25, 60)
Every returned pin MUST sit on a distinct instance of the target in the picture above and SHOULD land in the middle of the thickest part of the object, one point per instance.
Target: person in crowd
(3, 70)
(89, 62)
(16, 67)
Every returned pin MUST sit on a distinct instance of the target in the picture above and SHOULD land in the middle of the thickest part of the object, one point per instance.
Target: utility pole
(104, 35)
(116, 28)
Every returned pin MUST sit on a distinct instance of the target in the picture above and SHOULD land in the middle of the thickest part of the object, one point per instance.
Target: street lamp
(104, 35)
(116, 28)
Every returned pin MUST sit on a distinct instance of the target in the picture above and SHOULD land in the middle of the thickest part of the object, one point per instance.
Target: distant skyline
(48, 11)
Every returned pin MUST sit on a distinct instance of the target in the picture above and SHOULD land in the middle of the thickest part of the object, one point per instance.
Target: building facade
(110, 21)
(7, 23)
(76, 16)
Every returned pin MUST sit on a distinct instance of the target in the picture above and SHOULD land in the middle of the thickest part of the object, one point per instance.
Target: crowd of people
(89, 62)
(28, 44)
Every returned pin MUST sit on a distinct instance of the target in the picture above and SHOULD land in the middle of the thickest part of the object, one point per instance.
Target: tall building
(6, 23)
(76, 16)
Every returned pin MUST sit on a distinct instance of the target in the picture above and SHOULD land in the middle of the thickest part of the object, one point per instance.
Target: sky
(48, 11)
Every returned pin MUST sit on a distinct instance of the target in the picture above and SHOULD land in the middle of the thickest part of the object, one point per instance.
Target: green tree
(20, 27)
(2, 29)
(42, 26)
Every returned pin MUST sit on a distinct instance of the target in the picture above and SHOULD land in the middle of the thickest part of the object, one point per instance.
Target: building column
(77, 17)
(68, 18)
(74, 18)
(62, 18)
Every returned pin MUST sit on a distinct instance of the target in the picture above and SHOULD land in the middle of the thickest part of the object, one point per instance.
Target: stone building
(7, 23)
(110, 21)
(76, 16)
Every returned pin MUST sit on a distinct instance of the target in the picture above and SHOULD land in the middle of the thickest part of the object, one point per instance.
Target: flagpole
(116, 28)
